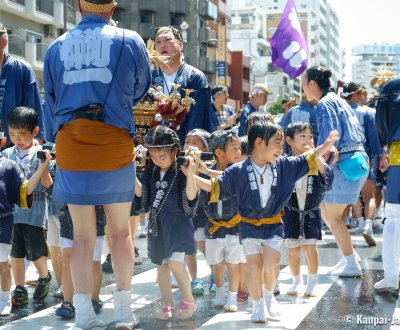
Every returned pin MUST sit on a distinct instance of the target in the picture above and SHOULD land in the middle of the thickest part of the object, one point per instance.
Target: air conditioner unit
(49, 31)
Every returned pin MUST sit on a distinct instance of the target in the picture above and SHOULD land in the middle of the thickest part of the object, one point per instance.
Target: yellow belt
(394, 154)
(277, 218)
(227, 224)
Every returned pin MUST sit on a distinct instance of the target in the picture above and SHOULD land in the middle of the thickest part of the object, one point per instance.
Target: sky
(366, 22)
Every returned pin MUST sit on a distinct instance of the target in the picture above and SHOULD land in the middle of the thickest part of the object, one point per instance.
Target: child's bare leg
(18, 270)
(253, 268)
(294, 260)
(233, 276)
(242, 277)
(5, 276)
(41, 266)
(191, 261)
(164, 283)
(56, 262)
(310, 251)
(182, 277)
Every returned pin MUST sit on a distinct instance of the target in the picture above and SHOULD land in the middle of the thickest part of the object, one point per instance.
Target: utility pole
(65, 16)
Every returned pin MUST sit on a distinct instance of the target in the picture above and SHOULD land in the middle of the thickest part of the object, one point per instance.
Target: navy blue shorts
(6, 230)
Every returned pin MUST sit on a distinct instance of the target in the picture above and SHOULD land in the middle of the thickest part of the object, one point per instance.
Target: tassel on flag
(289, 47)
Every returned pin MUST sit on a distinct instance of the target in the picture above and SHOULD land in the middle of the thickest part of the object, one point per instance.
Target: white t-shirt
(264, 189)
(301, 191)
(169, 80)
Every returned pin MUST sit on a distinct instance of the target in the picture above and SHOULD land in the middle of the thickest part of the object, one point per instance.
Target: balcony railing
(45, 6)
(16, 45)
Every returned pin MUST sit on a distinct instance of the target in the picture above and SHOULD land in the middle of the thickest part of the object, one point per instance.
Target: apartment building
(369, 58)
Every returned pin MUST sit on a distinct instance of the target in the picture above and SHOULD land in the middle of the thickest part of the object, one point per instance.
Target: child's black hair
(221, 140)
(243, 144)
(161, 136)
(297, 127)
(255, 117)
(23, 117)
(320, 75)
(264, 130)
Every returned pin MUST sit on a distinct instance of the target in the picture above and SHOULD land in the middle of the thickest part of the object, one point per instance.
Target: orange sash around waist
(221, 223)
(277, 218)
(87, 145)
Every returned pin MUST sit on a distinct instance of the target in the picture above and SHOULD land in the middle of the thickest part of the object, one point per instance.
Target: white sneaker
(231, 302)
(387, 284)
(272, 306)
(368, 233)
(258, 315)
(297, 286)
(348, 270)
(123, 315)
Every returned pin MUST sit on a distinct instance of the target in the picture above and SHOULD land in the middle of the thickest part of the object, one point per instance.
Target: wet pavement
(342, 303)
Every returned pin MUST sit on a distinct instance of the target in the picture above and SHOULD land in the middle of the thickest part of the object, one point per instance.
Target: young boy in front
(29, 225)
(262, 185)
(14, 189)
(302, 218)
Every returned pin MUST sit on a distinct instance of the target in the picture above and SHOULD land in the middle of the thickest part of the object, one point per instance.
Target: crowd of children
(236, 210)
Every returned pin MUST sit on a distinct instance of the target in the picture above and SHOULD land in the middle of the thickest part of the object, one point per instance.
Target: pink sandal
(164, 314)
(186, 310)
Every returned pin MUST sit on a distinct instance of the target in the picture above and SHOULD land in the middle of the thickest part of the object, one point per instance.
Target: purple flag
(289, 47)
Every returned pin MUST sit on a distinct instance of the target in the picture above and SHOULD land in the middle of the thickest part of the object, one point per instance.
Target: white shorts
(53, 232)
(254, 245)
(67, 243)
(199, 235)
(226, 249)
(176, 256)
(292, 243)
(5, 250)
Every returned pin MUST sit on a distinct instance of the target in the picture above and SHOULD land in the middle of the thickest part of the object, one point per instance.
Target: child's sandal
(164, 314)
(186, 310)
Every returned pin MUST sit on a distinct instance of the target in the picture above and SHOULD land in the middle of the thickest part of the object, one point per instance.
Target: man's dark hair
(23, 117)
(297, 127)
(264, 130)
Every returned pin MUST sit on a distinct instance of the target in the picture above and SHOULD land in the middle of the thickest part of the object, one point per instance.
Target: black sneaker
(137, 252)
(42, 289)
(107, 265)
(20, 296)
(97, 306)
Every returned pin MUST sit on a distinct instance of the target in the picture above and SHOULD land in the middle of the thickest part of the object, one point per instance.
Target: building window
(146, 17)
(33, 37)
